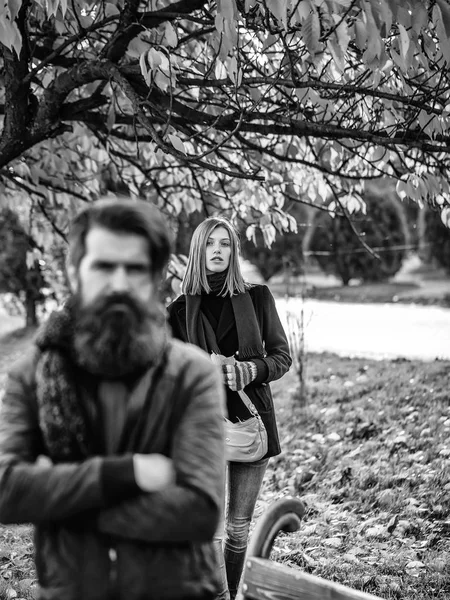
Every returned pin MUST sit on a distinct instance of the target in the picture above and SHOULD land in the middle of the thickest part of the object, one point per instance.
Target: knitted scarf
(216, 282)
(62, 418)
(200, 332)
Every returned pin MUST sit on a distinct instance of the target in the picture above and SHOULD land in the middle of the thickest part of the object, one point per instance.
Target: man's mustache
(120, 305)
(120, 302)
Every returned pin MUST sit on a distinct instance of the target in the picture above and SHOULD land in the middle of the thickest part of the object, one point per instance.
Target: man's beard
(117, 335)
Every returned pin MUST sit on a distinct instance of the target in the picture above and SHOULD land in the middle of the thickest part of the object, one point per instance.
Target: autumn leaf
(177, 143)
(311, 32)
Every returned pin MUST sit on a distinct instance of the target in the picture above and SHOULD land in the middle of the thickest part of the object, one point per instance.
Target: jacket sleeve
(189, 510)
(278, 359)
(177, 331)
(29, 491)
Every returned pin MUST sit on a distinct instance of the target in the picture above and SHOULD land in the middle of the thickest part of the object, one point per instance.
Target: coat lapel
(226, 322)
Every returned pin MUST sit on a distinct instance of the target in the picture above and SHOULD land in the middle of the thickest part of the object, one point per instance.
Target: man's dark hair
(124, 215)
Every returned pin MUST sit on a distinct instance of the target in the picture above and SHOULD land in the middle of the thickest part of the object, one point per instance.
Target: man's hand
(43, 461)
(153, 472)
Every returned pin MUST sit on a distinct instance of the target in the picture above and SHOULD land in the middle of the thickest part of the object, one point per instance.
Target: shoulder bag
(245, 441)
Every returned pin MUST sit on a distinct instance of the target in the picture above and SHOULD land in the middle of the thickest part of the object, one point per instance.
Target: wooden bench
(267, 580)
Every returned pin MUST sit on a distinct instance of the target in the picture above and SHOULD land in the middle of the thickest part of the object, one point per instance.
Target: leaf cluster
(214, 106)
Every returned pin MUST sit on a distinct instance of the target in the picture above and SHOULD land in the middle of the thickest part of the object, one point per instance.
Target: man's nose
(119, 281)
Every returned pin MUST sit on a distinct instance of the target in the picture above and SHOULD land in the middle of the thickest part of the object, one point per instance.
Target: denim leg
(244, 484)
(223, 594)
(218, 543)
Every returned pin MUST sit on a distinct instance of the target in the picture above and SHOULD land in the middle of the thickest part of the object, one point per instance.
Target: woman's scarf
(216, 282)
(201, 333)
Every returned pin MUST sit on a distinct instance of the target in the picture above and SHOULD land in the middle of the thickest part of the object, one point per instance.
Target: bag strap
(248, 403)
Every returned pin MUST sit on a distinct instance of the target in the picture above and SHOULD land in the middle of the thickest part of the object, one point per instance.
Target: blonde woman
(221, 313)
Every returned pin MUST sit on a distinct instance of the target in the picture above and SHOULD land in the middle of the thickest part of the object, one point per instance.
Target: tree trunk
(30, 310)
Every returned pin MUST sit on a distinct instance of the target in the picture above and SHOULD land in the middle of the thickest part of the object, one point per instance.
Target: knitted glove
(238, 375)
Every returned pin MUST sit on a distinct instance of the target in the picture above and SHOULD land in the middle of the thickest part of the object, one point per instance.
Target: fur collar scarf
(61, 417)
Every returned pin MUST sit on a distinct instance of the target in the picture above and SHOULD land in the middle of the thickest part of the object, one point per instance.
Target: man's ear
(72, 276)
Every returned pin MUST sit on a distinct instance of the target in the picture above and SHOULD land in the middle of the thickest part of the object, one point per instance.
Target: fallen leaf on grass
(387, 498)
(333, 542)
(309, 529)
(378, 531)
(415, 564)
(439, 565)
(392, 524)
(25, 584)
(350, 557)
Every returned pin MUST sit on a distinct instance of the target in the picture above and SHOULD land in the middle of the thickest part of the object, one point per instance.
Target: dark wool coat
(275, 364)
(90, 543)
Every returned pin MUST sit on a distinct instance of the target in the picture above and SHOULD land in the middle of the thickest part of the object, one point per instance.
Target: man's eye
(107, 267)
(138, 269)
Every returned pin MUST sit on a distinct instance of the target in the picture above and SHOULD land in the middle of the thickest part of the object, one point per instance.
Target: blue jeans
(243, 485)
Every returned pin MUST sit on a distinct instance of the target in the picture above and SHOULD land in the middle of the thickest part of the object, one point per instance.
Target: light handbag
(245, 441)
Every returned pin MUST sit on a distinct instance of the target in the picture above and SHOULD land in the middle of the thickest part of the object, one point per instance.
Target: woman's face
(218, 251)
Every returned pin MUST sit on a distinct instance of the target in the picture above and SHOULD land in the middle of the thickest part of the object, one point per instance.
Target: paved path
(8, 323)
(374, 330)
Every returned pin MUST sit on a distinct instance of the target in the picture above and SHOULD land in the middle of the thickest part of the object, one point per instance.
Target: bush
(340, 253)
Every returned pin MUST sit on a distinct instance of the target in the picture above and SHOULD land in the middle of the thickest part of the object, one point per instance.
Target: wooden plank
(267, 580)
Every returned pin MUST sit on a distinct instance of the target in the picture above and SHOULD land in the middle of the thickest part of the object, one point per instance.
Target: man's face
(218, 251)
(113, 263)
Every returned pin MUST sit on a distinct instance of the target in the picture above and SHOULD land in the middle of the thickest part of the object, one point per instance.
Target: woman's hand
(239, 374)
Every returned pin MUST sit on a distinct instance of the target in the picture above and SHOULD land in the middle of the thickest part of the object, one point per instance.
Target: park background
(321, 128)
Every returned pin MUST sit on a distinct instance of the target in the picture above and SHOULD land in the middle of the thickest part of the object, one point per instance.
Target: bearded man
(111, 433)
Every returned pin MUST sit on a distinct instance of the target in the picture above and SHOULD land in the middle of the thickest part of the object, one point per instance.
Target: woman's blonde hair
(195, 279)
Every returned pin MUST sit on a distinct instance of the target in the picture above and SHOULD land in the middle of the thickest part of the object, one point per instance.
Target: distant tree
(437, 237)
(268, 261)
(285, 252)
(19, 276)
(340, 251)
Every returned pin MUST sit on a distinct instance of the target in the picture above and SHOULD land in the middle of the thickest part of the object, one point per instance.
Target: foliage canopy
(232, 105)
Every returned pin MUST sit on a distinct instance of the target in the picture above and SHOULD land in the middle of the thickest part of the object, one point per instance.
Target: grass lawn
(368, 453)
